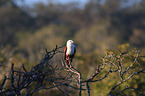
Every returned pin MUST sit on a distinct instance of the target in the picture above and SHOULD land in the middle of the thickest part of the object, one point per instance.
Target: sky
(32, 2)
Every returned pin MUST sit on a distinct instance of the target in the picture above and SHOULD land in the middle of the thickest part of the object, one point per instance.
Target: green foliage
(103, 87)
(34, 44)
(97, 38)
(13, 20)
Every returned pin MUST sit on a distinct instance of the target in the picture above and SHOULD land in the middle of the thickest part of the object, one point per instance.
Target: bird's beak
(72, 41)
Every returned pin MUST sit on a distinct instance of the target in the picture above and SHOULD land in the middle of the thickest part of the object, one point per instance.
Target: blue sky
(31, 2)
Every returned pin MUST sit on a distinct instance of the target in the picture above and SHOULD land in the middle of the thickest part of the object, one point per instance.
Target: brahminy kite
(69, 51)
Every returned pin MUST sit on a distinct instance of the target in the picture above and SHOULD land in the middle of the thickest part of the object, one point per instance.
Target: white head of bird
(70, 42)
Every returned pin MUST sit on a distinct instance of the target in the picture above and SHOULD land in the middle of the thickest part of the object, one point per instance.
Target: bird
(69, 51)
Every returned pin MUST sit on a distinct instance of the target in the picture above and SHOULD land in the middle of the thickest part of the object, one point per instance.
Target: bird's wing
(65, 52)
(74, 52)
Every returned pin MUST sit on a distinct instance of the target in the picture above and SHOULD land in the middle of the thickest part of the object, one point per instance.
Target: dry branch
(63, 75)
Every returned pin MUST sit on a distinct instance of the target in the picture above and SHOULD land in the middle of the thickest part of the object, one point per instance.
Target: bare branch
(49, 76)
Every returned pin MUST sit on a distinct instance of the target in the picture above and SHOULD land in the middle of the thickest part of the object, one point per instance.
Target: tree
(13, 20)
(125, 65)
